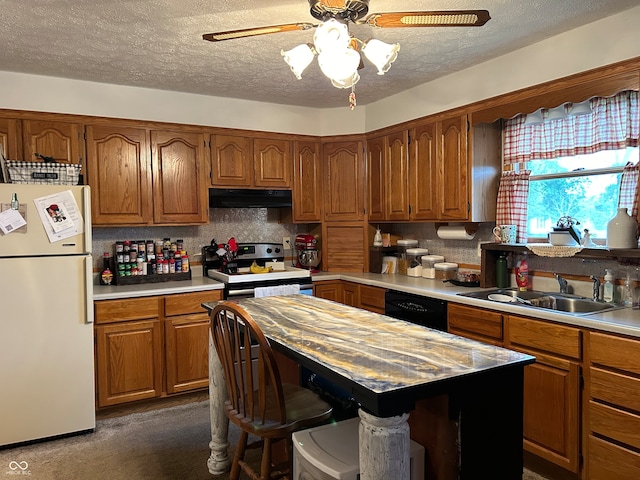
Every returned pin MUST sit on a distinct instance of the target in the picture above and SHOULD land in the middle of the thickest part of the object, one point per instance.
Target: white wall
(603, 42)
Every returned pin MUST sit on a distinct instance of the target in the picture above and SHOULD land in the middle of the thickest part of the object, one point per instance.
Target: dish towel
(277, 290)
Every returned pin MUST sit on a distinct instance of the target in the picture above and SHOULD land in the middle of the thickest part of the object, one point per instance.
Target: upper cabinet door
(423, 173)
(179, 183)
(376, 148)
(10, 138)
(307, 182)
(119, 170)
(231, 161)
(343, 167)
(397, 175)
(453, 153)
(60, 140)
(273, 163)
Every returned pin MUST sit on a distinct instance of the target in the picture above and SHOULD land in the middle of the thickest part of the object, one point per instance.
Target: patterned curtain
(628, 196)
(513, 194)
(613, 124)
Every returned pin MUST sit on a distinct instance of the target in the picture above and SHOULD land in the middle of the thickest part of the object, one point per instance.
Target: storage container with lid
(414, 261)
(403, 245)
(428, 261)
(446, 270)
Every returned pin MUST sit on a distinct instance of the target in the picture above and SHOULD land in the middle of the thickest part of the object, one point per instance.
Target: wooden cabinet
(552, 413)
(180, 189)
(344, 246)
(388, 177)
(151, 346)
(453, 174)
(187, 340)
(329, 289)
(307, 182)
(245, 162)
(10, 135)
(61, 140)
(129, 344)
(612, 406)
(476, 323)
(120, 176)
(423, 173)
(126, 189)
(353, 294)
(343, 170)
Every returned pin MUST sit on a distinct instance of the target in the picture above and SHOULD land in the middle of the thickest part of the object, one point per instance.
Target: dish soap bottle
(522, 273)
(608, 287)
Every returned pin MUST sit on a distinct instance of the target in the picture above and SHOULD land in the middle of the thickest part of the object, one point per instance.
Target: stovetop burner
(246, 255)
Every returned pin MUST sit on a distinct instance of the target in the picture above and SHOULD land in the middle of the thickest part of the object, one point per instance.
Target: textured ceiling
(158, 43)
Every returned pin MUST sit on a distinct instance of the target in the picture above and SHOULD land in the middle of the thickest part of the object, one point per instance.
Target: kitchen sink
(561, 302)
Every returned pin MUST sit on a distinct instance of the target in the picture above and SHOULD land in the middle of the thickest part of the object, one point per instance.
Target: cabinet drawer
(608, 461)
(614, 352)
(372, 298)
(543, 336)
(614, 388)
(183, 303)
(484, 323)
(109, 311)
(621, 426)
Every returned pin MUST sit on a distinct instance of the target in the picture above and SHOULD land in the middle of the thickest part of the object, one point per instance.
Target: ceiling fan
(356, 11)
(338, 52)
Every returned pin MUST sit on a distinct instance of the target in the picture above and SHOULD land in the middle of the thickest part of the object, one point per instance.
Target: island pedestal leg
(219, 461)
(384, 447)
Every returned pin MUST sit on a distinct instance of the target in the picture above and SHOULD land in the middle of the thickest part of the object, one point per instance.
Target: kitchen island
(387, 365)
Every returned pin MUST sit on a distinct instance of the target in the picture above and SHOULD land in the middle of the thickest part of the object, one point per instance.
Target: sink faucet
(596, 288)
(562, 282)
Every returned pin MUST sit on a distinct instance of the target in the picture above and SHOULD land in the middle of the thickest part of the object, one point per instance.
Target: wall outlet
(286, 242)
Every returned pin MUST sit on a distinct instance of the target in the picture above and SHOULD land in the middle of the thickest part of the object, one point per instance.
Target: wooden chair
(258, 402)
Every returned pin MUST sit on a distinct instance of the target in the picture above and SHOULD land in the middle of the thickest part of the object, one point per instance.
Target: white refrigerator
(46, 313)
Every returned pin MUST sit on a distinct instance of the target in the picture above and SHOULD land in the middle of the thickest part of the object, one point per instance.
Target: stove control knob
(277, 249)
(269, 250)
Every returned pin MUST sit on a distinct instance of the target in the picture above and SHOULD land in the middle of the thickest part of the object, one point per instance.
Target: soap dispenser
(608, 287)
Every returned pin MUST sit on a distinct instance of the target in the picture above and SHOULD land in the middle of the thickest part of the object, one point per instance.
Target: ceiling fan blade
(250, 32)
(447, 18)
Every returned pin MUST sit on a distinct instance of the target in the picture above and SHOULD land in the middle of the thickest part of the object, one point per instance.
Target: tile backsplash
(245, 224)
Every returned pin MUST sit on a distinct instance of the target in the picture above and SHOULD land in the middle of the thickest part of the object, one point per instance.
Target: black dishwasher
(425, 311)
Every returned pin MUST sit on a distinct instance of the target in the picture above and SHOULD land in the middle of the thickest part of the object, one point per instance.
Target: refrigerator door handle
(86, 192)
(88, 285)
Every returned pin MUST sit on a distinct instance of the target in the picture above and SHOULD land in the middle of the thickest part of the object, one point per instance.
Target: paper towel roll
(457, 232)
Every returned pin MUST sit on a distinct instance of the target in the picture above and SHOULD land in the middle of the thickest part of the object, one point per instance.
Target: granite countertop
(376, 352)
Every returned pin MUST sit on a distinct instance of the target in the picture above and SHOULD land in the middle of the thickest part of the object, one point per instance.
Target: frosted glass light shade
(339, 66)
(346, 82)
(331, 35)
(381, 54)
(298, 58)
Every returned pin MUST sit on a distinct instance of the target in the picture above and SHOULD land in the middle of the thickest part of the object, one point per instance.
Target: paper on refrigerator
(60, 215)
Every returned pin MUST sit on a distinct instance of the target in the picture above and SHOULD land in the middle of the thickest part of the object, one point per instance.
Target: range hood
(246, 198)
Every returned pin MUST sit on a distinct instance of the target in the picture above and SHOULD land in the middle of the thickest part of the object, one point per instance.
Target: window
(575, 162)
(584, 187)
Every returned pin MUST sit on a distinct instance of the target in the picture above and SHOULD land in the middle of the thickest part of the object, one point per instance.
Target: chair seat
(303, 408)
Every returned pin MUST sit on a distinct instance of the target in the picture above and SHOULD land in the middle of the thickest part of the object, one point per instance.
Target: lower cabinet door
(187, 352)
(129, 365)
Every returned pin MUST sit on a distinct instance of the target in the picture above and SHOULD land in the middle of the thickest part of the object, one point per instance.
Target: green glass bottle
(502, 273)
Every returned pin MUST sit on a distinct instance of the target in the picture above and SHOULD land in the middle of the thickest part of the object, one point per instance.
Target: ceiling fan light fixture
(299, 58)
(381, 54)
(339, 66)
(346, 82)
(331, 35)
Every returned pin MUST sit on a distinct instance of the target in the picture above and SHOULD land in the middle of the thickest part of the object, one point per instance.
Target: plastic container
(414, 261)
(428, 262)
(608, 287)
(403, 262)
(445, 270)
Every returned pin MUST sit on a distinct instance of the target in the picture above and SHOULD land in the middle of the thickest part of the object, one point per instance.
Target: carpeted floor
(165, 444)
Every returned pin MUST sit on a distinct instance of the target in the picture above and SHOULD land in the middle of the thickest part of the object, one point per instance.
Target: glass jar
(428, 262)
(446, 270)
